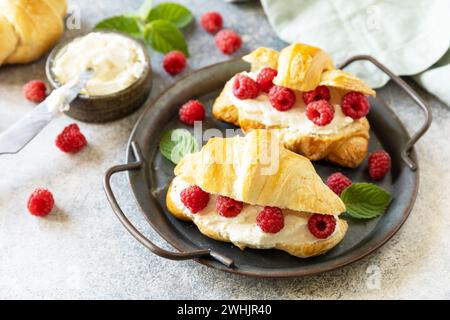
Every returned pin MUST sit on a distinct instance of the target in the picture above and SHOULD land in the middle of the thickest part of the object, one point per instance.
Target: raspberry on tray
(379, 164)
(338, 182)
(192, 111)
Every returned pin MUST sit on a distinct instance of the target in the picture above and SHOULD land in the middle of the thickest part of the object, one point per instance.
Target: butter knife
(23, 131)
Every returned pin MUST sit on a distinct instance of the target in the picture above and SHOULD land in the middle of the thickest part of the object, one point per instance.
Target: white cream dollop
(242, 230)
(117, 62)
(294, 119)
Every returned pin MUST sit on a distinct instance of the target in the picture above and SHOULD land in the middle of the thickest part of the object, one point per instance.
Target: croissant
(29, 28)
(259, 172)
(301, 68)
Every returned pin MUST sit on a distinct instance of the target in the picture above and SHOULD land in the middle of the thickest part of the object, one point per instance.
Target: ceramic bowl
(106, 107)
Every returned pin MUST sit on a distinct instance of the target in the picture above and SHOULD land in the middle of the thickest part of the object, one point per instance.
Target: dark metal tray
(149, 175)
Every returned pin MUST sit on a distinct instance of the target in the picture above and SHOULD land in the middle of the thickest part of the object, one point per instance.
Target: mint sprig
(158, 26)
(175, 144)
(164, 36)
(174, 12)
(365, 200)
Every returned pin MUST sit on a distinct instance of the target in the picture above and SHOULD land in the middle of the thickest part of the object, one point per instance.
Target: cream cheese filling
(117, 62)
(242, 230)
(294, 119)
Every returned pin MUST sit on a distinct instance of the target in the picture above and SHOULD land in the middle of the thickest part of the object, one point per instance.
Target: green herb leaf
(176, 13)
(145, 9)
(125, 24)
(175, 144)
(365, 200)
(164, 36)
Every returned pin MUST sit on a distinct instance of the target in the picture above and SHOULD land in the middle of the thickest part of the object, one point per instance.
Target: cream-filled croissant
(253, 192)
(29, 28)
(318, 110)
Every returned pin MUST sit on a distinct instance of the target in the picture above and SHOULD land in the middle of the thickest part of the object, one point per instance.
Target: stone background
(82, 251)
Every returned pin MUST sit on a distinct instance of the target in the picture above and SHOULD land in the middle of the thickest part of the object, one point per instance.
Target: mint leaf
(176, 13)
(125, 24)
(164, 36)
(145, 9)
(365, 200)
(175, 144)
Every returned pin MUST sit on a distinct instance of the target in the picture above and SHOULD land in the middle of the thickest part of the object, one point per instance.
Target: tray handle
(413, 94)
(138, 164)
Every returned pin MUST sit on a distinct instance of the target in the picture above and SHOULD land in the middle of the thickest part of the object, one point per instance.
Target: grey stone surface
(82, 251)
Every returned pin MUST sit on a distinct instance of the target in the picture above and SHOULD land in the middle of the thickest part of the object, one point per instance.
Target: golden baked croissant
(301, 68)
(29, 28)
(257, 171)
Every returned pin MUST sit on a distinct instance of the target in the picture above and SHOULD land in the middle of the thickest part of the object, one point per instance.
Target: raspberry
(355, 105)
(282, 98)
(245, 87)
(71, 140)
(228, 207)
(265, 79)
(379, 164)
(192, 111)
(41, 202)
(228, 41)
(320, 93)
(211, 21)
(270, 220)
(194, 198)
(174, 62)
(321, 225)
(320, 112)
(35, 91)
(338, 182)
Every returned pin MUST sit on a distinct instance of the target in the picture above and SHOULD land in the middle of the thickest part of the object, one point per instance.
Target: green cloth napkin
(411, 37)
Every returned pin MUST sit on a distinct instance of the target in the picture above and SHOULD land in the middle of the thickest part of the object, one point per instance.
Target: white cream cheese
(117, 62)
(242, 230)
(294, 119)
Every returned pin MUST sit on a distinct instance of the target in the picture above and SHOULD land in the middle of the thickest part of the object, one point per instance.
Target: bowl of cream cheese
(122, 74)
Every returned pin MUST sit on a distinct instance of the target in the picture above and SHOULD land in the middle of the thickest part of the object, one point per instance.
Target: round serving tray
(149, 176)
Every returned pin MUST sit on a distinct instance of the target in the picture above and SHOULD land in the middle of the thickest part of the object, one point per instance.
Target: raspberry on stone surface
(174, 62)
(71, 140)
(35, 91)
(211, 21)
(41, 203)
(228, 41)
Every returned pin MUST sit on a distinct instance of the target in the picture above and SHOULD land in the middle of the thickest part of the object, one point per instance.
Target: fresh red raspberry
(228, 207)
(71, 140)
(211, 21)
(355, 105)
(194, 198)
(270, 220)
(35, 91)
(245, 87)
(321, 225)
(192, 111)
(265, 79)
(174, 62)
(338, 182)
(320, 93)
(41, 203)
(379, 164)
(228, 41)
(320, 112)
(282, 98)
